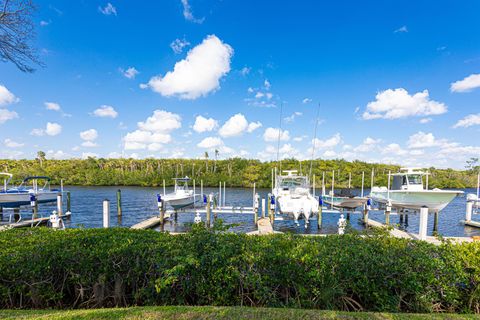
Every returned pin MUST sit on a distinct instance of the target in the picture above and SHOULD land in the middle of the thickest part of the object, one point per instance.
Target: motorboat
(293, 197)
(408, 192)
(14, 197)
(181, 196)
(475, 198)
(344, 200)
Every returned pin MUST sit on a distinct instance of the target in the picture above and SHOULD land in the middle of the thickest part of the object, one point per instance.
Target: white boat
(475, 198)
(349, 202)
(181, 196)
(14, 197)
(408, 192)
(293, 197)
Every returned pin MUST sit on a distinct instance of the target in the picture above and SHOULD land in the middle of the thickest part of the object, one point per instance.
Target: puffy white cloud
(57, 155)
(467, 84)
(423, 140)
(402, 29)
(130, 73)
(425, 120)
(203, 124)
(331, 142)
(177, 45)
(89, 135)
(89, 144)
(394, 148)
(198, 74)
(187, 13)
(273, 134)
(367, 145)
(105, 111)
(292, 117)
(6, 97)
(252, 126)
(210, 143)
(52, 106)
(153, 131)
(306, 100)
(468, 121)
(397, 103)
(6, 115)
(237, 125)
(9, 143)
(330, 154)
(108, 10)
(52, 129)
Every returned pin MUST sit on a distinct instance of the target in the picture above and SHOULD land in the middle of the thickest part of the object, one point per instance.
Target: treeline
(236, 172)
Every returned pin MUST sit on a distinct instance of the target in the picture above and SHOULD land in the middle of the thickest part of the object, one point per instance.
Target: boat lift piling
(106, 213)
(59, 204)
(69, 202)
(422, 229)
(119, 203)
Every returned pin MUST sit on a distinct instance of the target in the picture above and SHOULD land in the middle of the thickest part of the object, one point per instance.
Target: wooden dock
(29, 223)
(149, 223)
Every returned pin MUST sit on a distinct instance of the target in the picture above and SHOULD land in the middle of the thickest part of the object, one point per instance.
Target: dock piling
(263, 207)
(319, 215)
(106, 213)
(435, 223)
(119, 202)
(209, 198)
(59, 205)
(256, 200)
(365, 214)
(422, 230)
(69, 207)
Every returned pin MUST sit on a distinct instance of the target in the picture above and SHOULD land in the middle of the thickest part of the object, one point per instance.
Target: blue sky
(397, 82)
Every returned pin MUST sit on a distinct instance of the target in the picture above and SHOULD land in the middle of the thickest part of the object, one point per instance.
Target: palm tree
(206, 161)
(216, 157)
(41, 157)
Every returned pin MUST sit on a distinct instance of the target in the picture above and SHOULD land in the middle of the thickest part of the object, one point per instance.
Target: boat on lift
(182, 196)
(293, 197)
(14, 197)
(475, 198)
(344, 200)
(408, 192)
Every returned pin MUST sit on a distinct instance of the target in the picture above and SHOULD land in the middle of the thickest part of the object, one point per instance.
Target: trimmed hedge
(87, 268)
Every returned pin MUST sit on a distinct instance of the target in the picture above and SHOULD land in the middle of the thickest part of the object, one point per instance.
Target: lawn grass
(187, 313)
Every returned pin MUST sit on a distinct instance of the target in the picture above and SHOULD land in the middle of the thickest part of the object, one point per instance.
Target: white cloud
(58, 155)
(108, 10)
(130, 73)
(329, 154)
(367, 145)
(425, 120)
(467, 84)
(89, 135)
(89, 144)
(274, 134)
(6, 115)
(292, 117)
(401, 29)
(424, 140)
(177, 45)
(52, 106)
(210, 143)
(331, 142)
(306, 100)
(153, 131)
(252, 126)
(198, 74)
(468, 121)
(394, 149)
(267, 84)
(6, 97)
(105, 111)
(52, 129)
(245, 71)
(397, 103)
(237, 125)
(187, 13)
(203, 124)
(9, 143)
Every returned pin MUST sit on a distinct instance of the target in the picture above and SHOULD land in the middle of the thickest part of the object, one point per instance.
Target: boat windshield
(414, 179)
(293, 182)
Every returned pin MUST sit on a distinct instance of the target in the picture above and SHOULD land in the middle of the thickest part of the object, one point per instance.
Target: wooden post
(263, 207)
(106, 213)
(363, 181)
(422, 233)
(119, 202)
(208, 212)
(269, 208)
(220, 194)
(162, 212)
(401, 218)
(387, 215)
(164, 187)
(69, 202)
(435, 223)
(319, 216)
(255, 208)
(59, 205)
(406, 220)
(365, 214)
(33, 200)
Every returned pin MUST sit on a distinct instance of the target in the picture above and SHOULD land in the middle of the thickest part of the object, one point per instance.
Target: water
(139, 203)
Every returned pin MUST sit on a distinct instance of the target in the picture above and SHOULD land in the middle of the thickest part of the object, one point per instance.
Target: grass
(187, 313)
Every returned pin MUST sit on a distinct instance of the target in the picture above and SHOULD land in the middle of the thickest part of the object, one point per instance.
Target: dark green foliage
(235, 172)
(75, 268)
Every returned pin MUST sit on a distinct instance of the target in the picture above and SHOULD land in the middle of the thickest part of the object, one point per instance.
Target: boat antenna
(279, 136)
(314, 141)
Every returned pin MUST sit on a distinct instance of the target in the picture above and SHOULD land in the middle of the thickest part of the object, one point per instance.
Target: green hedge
(75, 268)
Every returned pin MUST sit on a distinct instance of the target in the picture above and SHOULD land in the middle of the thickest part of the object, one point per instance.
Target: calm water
(139, 203)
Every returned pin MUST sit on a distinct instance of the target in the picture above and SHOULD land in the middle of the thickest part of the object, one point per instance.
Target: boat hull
(415, 200)
(179, 203)
(344, 202)
(15, 200)
(296, 206)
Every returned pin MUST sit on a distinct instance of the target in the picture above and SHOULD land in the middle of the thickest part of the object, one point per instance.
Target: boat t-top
(293, 197)
(408, 192)
(14, 197)
(181, 196)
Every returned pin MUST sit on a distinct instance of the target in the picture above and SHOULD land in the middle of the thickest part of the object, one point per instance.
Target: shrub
(44, 268)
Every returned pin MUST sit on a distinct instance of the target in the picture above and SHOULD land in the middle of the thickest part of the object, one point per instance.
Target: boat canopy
(185, 179)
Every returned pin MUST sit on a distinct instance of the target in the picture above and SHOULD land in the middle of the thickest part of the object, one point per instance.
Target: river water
(139, 203)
